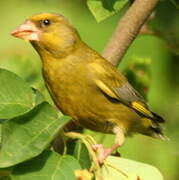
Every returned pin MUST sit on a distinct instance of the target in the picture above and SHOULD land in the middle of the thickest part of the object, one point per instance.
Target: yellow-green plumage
(87, 87)
(76, 92)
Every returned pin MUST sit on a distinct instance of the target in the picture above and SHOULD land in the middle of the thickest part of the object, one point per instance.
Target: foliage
(27, 132)
(51, 166)
(29, 124)
(103, 9)
(117, 168)
(12, 105)
(165, 26)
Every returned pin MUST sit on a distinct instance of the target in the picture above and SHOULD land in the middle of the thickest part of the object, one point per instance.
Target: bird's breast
(76, 95)
(69, 87)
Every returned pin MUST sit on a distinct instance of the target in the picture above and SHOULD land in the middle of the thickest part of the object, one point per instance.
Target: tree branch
(127, 29)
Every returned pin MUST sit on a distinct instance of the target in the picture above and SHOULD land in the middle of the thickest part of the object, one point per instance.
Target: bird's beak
(27, 31)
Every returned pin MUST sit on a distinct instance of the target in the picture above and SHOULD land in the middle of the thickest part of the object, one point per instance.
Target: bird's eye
(46, 22)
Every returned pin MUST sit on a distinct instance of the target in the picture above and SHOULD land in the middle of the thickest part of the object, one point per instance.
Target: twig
(88, 141)
(127, 29)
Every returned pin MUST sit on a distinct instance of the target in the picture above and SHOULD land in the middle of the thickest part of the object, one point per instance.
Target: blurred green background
(156, 55)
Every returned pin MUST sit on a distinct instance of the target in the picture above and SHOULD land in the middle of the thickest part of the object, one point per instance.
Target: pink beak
(27, 31)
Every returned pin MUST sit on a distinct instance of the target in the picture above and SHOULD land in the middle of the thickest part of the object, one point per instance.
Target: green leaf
(16, 97)
(39, 98)
(125, 169)
(48, 166)
(27, 136)
(102, 9)
(80, 152)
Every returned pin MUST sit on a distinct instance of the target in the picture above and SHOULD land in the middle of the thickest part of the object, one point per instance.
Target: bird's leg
(103, 153)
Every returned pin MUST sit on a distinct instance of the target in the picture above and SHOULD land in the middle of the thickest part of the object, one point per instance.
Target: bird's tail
(154, 128)
(157, 118)
(156, 132)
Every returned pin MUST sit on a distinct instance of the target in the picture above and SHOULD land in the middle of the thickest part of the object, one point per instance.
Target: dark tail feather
(161, 136)
(157, 132)
(157, 118)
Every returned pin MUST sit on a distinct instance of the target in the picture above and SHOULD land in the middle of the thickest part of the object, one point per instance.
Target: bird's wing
(113, 84)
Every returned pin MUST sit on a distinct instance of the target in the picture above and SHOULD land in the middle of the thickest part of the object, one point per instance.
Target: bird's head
(48, 33)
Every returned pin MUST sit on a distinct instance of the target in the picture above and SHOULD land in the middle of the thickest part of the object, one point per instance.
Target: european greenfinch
(86, 86)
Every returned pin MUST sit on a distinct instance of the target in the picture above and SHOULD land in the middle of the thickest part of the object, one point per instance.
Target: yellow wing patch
(105, 89)
(141, 109)
(135, 105)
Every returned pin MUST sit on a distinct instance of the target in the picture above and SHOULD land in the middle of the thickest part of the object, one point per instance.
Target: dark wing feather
(128, 93)
(115, 85)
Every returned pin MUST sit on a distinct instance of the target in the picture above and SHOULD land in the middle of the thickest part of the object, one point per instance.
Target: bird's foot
(88, 141)
(103, 153)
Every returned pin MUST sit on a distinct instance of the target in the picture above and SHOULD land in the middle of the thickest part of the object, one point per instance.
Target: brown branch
(127, 29)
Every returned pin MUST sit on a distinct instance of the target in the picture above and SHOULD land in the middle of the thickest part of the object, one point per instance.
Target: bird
(84, 85)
